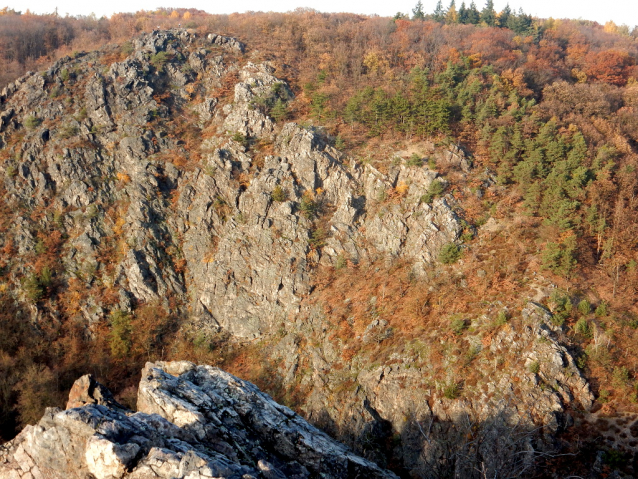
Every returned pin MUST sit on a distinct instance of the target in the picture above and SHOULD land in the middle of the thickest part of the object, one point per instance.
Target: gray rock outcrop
(135, 201)
(192, 422)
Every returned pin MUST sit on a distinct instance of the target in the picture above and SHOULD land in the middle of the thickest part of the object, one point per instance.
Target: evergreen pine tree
(417, 11)
(488, 15)
(473, 15)
(504, 17)
(463, 18)
(439, 13)
(521, 24)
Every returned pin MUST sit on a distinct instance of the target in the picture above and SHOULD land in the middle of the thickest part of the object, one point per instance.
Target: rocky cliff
(164, 173)
(192, 422)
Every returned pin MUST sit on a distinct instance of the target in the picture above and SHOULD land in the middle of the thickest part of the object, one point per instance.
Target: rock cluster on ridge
(193, 422)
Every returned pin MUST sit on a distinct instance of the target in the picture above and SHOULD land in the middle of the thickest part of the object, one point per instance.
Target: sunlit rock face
(192, 422)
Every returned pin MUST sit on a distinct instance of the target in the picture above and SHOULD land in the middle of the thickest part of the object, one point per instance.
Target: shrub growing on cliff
(36, 285)
(452, 391)
(159, 60)
(415, 160)
(127, 48)
(240, 138)
(120, 336)
(32, 122)
(279, 194)
(68, 131)
(435, 190)
(317, 238)
(279, 110)
(534, 367)
(308, 205)
(458, 325)
(450, 253)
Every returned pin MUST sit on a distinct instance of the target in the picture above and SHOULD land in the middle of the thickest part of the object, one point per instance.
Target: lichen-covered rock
(193, 422)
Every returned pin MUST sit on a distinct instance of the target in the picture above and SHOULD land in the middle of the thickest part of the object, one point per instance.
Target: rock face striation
(192, 422)
(100, 153)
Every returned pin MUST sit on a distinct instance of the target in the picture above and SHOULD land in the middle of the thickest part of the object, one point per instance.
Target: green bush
(584, 307)
(458, 325)
(159, 60)
(615, 458)
(317, 238)
(308, 206)
(32, 122)
(36, 285)
(452, 391)
(279, 111)
(279, 194)
(120, 335)
(127, 48)
(435, 190)
(240, 138)
(602, 310)
(562, 307)
(534, 367)
(501, 318)
(560, 258)
(450, 253)
(620, 376)
(81, 115)
(603, 396)
(415, 160)
(68, 131)
(583, 328)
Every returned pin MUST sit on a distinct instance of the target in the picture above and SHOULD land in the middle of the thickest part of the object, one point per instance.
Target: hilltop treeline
(353, 47)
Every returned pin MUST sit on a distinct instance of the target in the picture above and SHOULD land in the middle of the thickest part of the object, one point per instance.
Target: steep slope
(157, 193)
(115, 174)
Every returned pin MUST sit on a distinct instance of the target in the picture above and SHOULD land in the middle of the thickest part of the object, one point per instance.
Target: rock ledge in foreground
(193, 422)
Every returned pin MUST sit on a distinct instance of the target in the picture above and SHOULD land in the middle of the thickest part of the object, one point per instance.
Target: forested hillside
(443, 170)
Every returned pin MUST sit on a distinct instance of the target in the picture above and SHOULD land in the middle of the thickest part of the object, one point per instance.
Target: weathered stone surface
(87, 390)
(229, 42)
(193, 422)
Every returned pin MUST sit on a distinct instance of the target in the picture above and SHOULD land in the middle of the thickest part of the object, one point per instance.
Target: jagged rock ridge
(192, 422)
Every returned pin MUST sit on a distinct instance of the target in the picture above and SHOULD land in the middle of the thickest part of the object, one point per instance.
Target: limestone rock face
(193, 422)
(115, 174)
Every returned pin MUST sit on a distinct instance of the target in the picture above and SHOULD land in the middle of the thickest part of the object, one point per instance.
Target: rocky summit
(192, 422)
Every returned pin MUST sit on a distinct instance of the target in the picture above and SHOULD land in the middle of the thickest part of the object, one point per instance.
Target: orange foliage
(609, 66)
